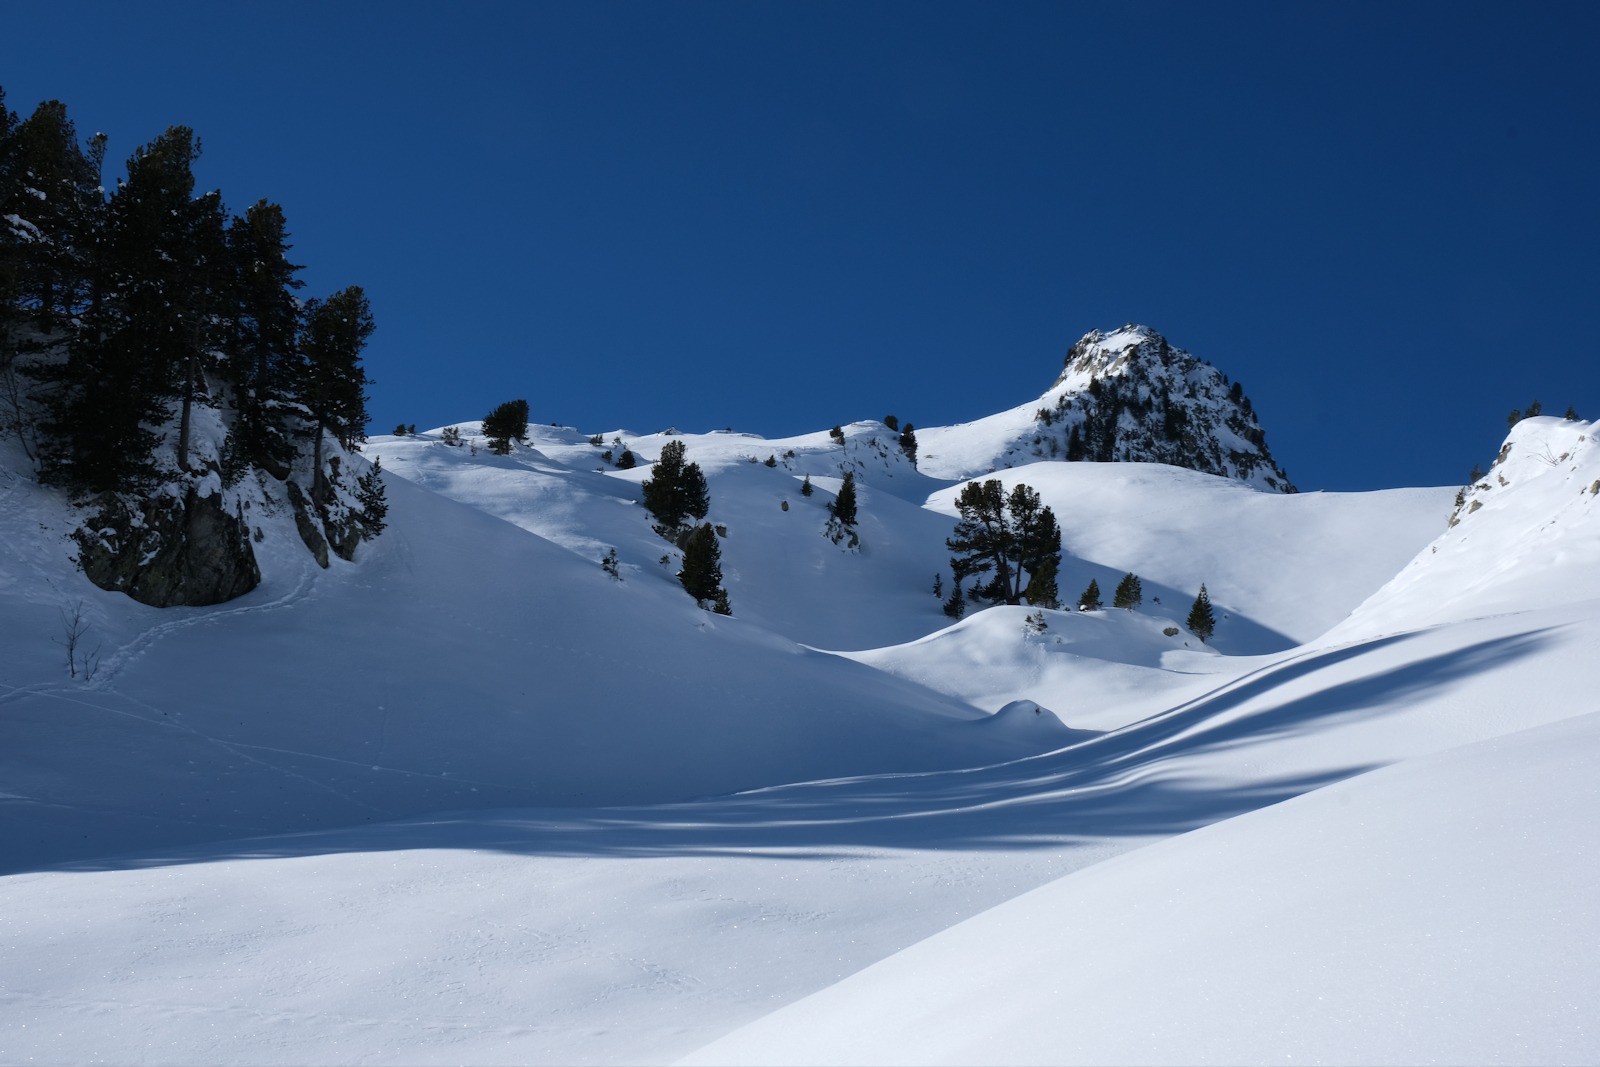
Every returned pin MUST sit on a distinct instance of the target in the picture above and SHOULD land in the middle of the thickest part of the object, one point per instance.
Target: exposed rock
(164, 552)
(306, 523)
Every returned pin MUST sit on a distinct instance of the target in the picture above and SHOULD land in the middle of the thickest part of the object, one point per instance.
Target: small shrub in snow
(451, 435)
(608, 563)
(1170, 631)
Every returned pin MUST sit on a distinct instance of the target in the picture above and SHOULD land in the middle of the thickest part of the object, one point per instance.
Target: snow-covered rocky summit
(1127, 396)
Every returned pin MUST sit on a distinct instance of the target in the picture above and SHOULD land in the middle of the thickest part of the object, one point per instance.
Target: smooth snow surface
(468, 799)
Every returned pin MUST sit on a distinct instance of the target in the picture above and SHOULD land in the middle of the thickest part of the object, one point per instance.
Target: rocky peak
(1129, 395)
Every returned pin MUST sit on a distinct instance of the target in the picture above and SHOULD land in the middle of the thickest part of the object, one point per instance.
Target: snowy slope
(1528, 533)
(1285, 567)
(459, 663)
(1416, 914)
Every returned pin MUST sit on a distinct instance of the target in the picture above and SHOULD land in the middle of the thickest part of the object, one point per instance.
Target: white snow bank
(1438, 911)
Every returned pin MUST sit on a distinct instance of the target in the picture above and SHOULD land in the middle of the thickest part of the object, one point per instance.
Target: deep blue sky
(1382, 219)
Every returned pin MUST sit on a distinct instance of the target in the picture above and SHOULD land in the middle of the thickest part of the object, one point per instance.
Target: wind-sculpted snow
(470, 799)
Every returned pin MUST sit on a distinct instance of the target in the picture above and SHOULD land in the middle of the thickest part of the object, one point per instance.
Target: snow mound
(1527, 534)
(1408, 915)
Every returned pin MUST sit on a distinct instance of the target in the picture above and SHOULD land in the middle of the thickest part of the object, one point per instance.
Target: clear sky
(1384, 219)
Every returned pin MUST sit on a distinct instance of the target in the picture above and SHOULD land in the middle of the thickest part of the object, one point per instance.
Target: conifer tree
(1202, 622)
(373, 499)
(508, 422)
(1012, 536)
(841, 526)
(956, 605)
(675, 491)
(1090, 598)
(843, 508)
(1129, 593)
(627, 461)
(263, 358)
(908, 442)
(1042, 590)
(1572, 414)
(892, 422)
(806, 488)
(837, 433)
(333, 381)
(702, 565)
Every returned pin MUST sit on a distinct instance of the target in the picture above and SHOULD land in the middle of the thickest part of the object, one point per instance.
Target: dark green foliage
(1012, 536)
(841, 526)
(1042, 590)
(508, 422)
(938, 585)
(333, 382)
(702, 565)
(451, 435)
(1202, 621)
(908, 442)
(372, 499)
(676, 491)
(608, 563)
(1130, 591)
(597, 440)
(721, 605)
(806, 489)
(627, 461)
(891, 422)
(955, 605)
(1572, 414)
(772, 461)
(1089, 600)
(263, 357)
(1075, 449)
(400, 430)
(837, 433)
(843, 508)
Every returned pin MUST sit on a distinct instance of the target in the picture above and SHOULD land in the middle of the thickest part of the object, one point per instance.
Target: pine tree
(1572, 414)
(1130, 592)
(843, 508)
(908, 442)
(1089, 600)
(891, 422)
(702, 565)
(675, 491)
(837, 433)
(332, 385)
(841, 525)
(1012, 536)
(938, 586)
(956, 605)
(609, 564)
(627, 461)
(263, 357)
(373, 500)
(1042, 590)
(1202, 622)
(721, 605)
(508, 422)
(806, 488)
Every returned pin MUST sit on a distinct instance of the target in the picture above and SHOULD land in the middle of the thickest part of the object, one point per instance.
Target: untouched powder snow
(1442, 911)
(470, 800)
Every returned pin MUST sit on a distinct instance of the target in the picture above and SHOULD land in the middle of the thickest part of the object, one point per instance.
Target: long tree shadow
(1128, 783)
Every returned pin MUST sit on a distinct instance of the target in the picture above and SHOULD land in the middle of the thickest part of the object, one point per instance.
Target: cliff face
(187, 550)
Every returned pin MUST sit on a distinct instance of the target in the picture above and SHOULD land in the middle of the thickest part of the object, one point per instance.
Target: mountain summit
(1126, 396)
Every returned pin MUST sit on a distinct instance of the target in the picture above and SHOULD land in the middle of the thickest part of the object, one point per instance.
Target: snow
(468, 799)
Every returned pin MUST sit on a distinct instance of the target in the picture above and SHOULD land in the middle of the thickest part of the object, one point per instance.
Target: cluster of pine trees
(121, 314)
(1010, 543)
